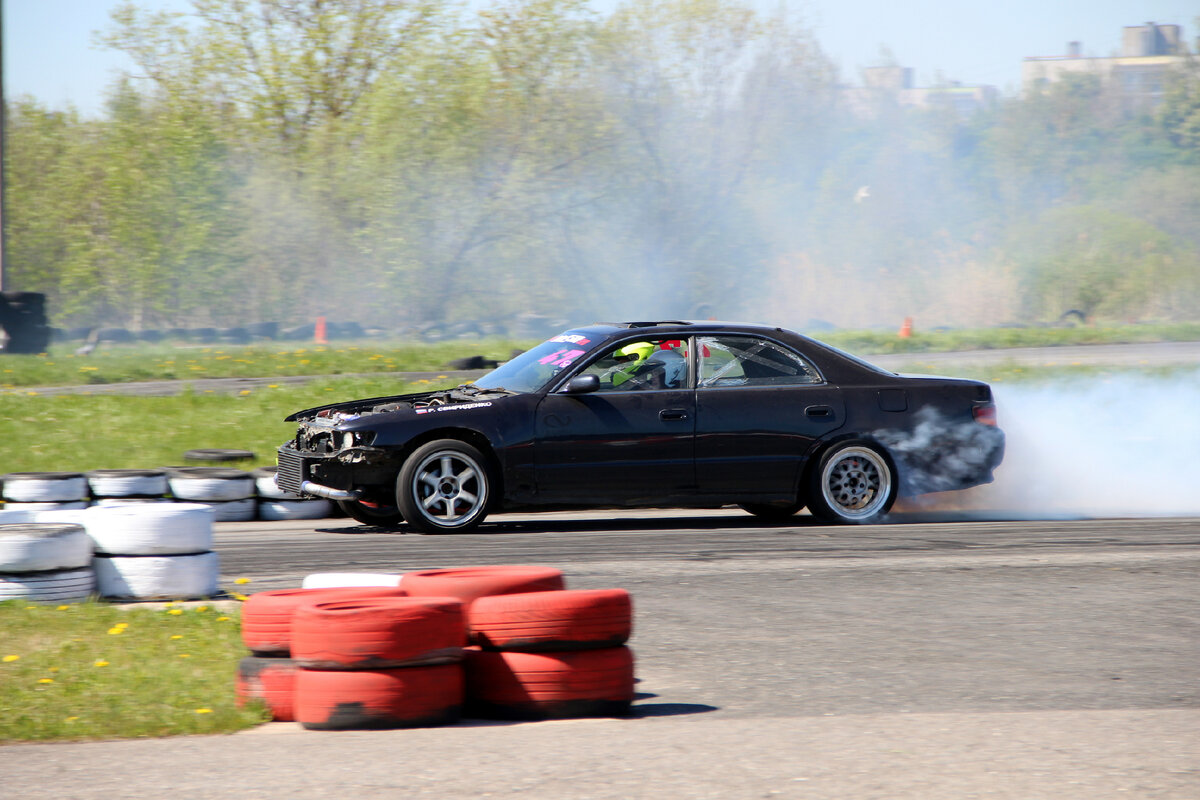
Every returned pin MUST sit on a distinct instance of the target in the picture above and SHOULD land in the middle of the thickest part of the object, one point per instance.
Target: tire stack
(269, 673)
(276, 504)
(112, 487)
(45, 491)
(230, 493)
(45, 562)
(152, 551)
(539, 651)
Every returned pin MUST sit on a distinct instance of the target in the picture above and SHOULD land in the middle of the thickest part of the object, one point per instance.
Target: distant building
(1148, 53)
(894, 85)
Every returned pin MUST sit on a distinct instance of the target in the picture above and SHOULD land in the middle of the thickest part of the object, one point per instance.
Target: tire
(151, 529)
(276, 510)
(444, 487)
(39, 547)
(217, 455)
(580, 619)
(331, 580)
(587, 683)
(271, 681)
(157, 577)
(45, 487)
(210, 483)
(854, 483)
(37, 508)
(772, 512)
(410, 697)
(266, 487)
(378, 516)
(470, 583)
(140, 483)
(243, 510)
(267, 616)
(379, 633)
(59, 586)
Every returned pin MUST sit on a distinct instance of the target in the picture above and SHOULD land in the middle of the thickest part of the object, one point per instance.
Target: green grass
(93, 671)
(74, 433)
(125, 364)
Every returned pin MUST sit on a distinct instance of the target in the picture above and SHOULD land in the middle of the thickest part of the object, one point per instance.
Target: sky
(49, 51)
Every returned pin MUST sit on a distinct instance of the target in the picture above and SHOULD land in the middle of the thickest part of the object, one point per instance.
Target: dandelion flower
(9, 659)
(222, 619)
(203, 710)
(46, 680)
(116, 630)
(100, 663)
(201, 608)
(175, 612)
(185, 655)
(72, 719)
(62, 608)
(237, 596)
(241, 580)
(177, 636)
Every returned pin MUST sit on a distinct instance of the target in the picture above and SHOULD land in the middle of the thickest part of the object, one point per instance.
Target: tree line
(402, 162)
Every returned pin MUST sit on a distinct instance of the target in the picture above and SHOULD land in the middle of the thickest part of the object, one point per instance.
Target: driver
(629, 358)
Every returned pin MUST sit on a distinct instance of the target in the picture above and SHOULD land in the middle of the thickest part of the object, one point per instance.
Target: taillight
(985, 414)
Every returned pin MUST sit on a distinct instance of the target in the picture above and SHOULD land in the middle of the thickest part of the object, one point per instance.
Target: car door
(759, 406)
(631, 442)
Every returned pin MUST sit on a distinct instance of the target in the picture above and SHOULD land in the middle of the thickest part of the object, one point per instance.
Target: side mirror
(582, 384)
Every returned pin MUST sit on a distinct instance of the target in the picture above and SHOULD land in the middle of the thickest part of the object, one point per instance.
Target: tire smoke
(1124, 446)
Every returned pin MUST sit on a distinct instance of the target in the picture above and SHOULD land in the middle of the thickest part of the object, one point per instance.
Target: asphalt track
(937, 656)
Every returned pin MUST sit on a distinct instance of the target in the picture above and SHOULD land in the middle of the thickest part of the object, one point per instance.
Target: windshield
(534, 369)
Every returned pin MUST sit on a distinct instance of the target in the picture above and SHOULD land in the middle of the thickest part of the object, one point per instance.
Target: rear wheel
(854, 483)
(444, 487)
(371, 513)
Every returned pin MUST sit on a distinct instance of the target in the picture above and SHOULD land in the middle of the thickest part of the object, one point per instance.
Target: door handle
(672, 413)
(819, 411)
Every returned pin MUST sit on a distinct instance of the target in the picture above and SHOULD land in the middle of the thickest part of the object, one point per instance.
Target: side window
(642, 364)
(746, 361)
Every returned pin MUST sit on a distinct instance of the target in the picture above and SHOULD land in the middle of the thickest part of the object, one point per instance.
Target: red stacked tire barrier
(576, 619)
(267, 616)
(407, 697)
(581, 683)
(270, 674)
(378, 633)
(378, 662)
(550, 655)
(381, 657)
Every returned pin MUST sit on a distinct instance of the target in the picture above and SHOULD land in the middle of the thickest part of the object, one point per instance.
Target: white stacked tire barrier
(152, 551)
(47, 562)
(40, 491)
(275, 504)
(230, 493)
(127, 483)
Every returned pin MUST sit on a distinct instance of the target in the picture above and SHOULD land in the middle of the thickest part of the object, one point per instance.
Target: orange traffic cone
(319, 336)
(906, 328)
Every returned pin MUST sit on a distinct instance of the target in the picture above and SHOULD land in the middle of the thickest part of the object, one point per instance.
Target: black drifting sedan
(651, 414)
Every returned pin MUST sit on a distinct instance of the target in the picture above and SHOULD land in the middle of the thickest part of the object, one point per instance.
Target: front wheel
(854, 483)
(371, 513)
(444, 487)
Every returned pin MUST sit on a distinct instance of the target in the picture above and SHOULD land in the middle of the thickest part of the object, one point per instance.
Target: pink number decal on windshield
(561, 358)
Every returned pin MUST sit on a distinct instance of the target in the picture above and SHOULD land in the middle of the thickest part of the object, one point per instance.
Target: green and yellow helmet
(631, 356)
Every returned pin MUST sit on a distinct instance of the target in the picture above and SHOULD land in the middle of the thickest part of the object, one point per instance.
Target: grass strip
(75, 433)
(127, 364)
(94, 671)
